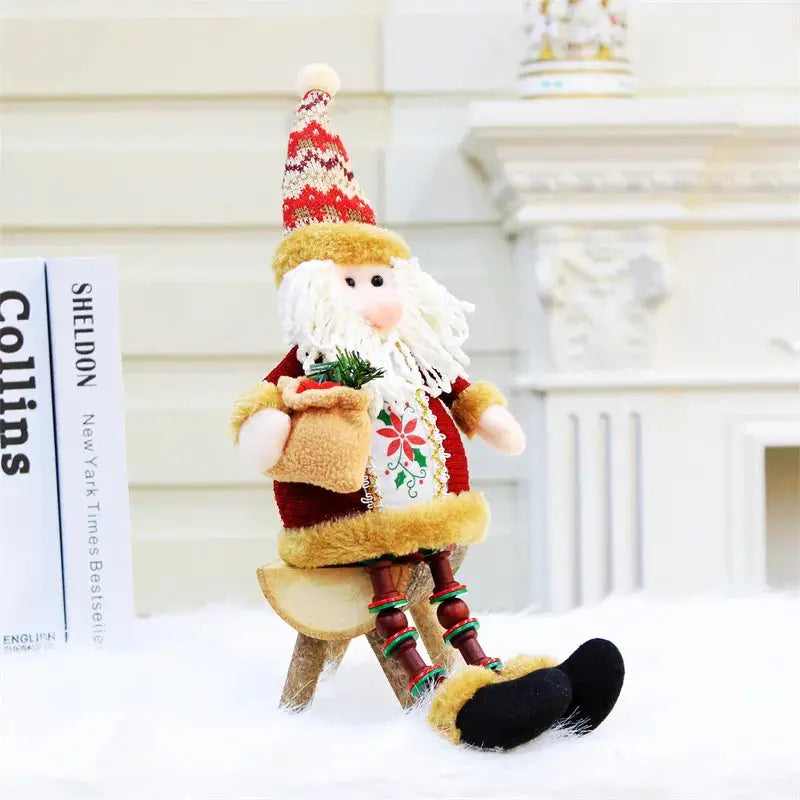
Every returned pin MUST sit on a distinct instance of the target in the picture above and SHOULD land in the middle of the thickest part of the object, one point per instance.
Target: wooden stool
(329, 606)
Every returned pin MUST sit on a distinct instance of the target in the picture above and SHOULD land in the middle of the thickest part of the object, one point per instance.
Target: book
(90, 437)
(31, 590)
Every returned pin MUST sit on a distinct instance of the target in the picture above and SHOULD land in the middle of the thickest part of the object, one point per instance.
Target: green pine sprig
(349, 369)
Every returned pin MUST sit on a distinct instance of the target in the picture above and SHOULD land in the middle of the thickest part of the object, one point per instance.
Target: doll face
(372, 292)
(398, 318)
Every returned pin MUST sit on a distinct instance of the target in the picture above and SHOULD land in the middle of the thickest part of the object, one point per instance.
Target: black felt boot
(507, 714)
(596, 671)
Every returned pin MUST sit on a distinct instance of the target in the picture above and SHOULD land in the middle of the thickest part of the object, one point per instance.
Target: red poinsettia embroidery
(401, 436)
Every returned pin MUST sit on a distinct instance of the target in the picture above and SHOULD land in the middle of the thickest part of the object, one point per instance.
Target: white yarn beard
(424, 351)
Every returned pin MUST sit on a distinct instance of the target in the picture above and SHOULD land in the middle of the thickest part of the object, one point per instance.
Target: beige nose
(384, 316)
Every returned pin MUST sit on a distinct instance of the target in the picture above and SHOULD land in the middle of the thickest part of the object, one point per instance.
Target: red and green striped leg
(392, 624)
(461, 630)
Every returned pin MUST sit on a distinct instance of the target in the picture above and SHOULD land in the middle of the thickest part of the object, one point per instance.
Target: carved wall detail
(656, 180)
(600, 287)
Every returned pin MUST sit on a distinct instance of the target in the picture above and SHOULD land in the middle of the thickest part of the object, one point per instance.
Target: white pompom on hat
(318, 76)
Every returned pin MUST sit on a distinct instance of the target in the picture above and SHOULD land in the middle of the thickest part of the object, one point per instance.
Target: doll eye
(377, 280)
(350, 281)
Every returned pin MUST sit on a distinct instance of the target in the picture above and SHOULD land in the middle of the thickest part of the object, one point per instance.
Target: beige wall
(157, 130)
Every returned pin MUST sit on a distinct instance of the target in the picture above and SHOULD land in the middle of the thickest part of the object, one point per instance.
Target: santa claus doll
(368, 465)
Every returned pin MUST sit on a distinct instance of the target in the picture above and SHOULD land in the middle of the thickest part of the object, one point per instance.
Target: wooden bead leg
(453, 613)
(392, 626)
(424, 616)
(393, 671)
(308, 661)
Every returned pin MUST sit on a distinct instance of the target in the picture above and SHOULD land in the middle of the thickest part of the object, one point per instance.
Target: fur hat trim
(345, 243)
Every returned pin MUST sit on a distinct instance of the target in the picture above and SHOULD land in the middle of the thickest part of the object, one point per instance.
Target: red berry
(310, 383)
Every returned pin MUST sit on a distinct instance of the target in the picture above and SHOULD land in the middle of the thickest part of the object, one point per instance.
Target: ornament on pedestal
(575, 48)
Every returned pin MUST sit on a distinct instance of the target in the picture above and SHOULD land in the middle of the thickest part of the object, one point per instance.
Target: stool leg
(308, 661)
(461, 630)
(334, 653)
(430, 632)
(394, 673)
(392, 626)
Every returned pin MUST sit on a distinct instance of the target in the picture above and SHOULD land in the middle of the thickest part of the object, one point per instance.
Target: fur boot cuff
(524, 665)
(453, 695)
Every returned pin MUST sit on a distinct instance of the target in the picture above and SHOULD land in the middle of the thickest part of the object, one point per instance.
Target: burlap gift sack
(328, 444)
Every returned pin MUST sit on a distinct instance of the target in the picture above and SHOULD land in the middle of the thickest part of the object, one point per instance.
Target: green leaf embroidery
(400, 479)
(420, 459)
(384, 417)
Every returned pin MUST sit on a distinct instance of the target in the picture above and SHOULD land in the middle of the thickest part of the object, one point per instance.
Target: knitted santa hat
(325, 216)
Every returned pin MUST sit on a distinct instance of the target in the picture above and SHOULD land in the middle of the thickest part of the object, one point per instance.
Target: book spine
(31, 590)
(90, 432)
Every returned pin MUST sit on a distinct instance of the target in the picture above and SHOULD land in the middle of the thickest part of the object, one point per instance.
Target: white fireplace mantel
(656, 260)
(590, 190)
(646, 160)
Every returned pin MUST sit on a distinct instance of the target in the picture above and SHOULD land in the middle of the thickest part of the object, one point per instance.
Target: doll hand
(499, 428)
(263, 437)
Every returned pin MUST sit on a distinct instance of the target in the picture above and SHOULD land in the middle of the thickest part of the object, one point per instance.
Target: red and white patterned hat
(325, 215)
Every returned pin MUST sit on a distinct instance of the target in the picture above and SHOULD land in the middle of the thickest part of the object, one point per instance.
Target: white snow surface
(710, 709)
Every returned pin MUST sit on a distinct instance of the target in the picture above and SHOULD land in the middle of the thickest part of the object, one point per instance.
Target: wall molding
(634, 160)
(626, 381)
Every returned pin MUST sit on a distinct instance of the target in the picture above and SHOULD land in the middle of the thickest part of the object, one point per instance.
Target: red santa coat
(322, 527)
